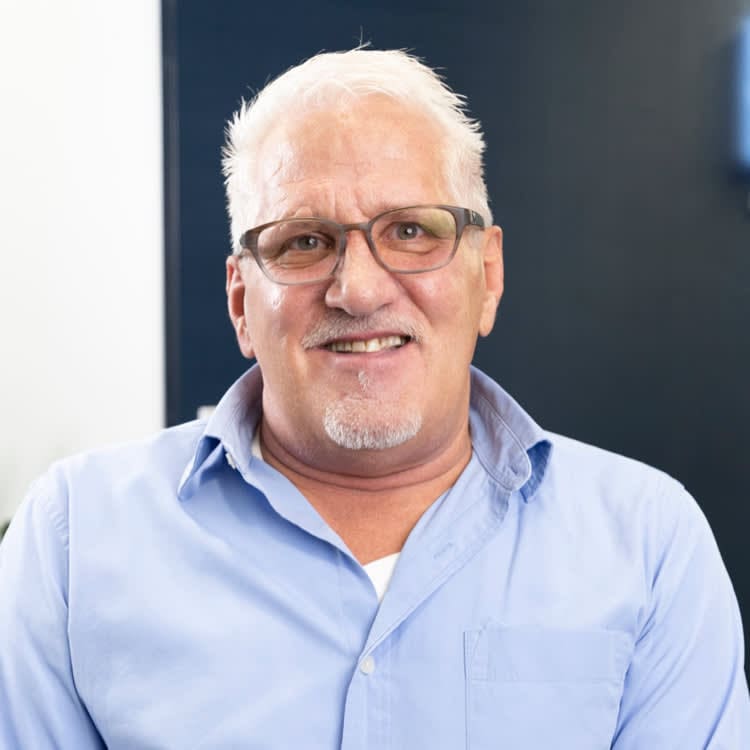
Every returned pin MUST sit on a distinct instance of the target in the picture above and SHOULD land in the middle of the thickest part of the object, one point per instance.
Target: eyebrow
(379, 209)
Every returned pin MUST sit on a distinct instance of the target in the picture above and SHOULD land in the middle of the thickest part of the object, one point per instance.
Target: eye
(408, 230)
(306, 243)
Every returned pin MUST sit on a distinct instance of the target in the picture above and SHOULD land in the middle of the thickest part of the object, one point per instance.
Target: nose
(361, 286)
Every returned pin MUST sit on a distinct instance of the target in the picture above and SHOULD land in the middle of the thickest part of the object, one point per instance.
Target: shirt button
(367, 665)
(230, 460)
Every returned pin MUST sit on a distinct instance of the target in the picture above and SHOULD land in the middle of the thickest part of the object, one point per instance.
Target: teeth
(371, 345)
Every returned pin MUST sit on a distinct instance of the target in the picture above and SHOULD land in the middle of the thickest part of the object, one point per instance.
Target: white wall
(81, 320)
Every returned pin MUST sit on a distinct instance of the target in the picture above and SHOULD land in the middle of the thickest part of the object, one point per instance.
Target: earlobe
(235, 288)
(494, 279)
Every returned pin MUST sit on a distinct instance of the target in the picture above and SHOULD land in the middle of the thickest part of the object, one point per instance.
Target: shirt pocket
(529, 689)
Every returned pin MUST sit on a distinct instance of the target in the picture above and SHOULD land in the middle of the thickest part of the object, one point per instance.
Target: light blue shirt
(557, 597)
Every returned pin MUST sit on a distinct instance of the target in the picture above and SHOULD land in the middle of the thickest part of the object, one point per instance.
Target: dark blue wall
(627, 235)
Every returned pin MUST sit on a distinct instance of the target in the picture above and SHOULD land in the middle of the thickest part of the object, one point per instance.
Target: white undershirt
(380, 571)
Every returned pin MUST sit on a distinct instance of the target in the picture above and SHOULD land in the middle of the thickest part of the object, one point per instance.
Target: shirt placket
(368, 708)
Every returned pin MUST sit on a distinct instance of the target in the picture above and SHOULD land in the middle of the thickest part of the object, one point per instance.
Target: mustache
(339, 325)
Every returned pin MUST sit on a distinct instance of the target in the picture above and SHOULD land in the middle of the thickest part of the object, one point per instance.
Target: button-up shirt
(181, 593)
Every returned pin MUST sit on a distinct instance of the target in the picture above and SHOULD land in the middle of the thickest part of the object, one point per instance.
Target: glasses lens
(297, 251)
(415, 239)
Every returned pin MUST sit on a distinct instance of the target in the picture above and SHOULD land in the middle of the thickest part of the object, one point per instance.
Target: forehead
(370, 154)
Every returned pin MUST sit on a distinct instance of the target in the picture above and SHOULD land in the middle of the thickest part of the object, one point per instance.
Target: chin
(359, 427)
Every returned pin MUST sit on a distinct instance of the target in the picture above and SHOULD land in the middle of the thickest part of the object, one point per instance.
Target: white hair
(331, 77)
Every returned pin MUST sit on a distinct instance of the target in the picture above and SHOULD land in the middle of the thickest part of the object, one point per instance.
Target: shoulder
(621, 501)
(586, 471)
(127, 473)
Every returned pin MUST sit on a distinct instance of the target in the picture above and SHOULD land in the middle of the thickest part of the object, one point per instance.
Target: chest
(480, 642)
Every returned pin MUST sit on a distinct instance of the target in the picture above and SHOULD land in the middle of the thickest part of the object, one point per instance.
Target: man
(368, 544)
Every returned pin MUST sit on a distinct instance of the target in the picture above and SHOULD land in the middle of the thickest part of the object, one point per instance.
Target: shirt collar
(511, 447)
(509, 444)
(231, 425)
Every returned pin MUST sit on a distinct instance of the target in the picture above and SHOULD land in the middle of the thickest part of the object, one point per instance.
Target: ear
(494, 278)
(236, 304)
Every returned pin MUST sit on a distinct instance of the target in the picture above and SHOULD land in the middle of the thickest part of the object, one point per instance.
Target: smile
(368, 345)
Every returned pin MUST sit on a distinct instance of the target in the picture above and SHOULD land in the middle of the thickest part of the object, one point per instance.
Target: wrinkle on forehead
(306, 160)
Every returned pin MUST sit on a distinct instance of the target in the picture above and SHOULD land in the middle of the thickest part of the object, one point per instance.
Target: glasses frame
(464, 217)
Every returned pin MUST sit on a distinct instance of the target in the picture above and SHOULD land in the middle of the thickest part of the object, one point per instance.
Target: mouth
(360, 346)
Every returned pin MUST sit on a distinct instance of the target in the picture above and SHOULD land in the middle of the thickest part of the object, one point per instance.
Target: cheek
(274, 299)
(451, 303)
(277, 316)
(263, 299)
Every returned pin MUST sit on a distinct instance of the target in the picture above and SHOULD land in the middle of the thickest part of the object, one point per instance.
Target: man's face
(409, 391)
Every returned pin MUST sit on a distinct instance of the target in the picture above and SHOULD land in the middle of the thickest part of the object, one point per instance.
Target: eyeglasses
(415, 239)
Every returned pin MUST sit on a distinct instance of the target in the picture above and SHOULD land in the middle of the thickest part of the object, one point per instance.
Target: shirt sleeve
(685, 688)
(39, 705)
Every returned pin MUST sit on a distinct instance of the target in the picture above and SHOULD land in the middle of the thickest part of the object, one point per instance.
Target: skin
(349, 165)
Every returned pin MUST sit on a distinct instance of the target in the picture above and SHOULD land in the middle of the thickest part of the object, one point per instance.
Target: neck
(373, 513)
